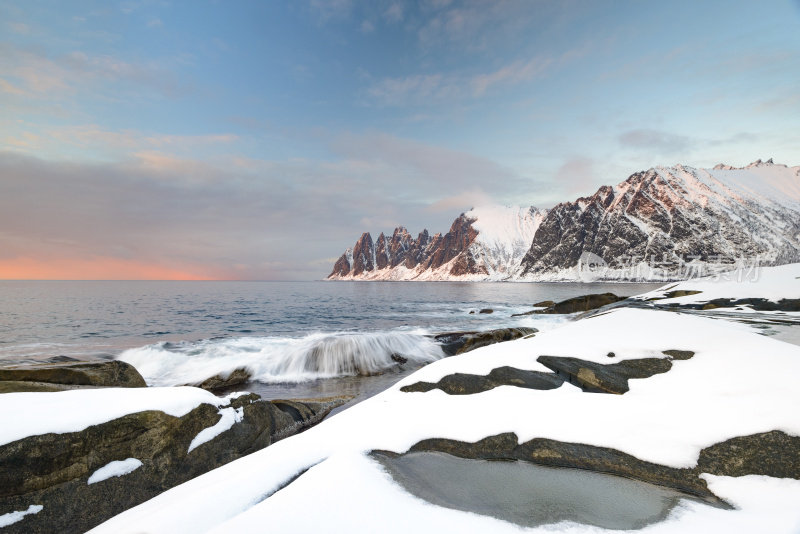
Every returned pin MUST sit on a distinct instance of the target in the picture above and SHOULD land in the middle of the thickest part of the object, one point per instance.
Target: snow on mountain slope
(665, 223)
(485, 243)
(672, 223)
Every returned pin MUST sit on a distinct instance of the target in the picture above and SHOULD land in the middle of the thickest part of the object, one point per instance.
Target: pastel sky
(257, 140)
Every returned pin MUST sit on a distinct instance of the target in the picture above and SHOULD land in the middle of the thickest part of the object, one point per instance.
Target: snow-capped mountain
(485, 243)
(663, 223)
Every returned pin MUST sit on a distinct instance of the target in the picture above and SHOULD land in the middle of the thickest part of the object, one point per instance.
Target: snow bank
(115, 469)
(720, 393)
(770, 283)
(30, 414)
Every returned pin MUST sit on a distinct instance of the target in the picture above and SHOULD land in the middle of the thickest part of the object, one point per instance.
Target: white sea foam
(278, 359)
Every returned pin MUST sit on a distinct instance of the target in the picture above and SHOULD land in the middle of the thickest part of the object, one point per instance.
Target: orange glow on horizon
(97, 269)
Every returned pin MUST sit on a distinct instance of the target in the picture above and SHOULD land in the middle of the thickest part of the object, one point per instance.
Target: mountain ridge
(655, 225)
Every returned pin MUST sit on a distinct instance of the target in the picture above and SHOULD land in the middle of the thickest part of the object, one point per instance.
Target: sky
(259, 139)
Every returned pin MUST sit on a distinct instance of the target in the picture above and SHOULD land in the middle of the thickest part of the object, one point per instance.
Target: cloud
(647, 139)
(394, 13)
(578, 175)
(52, 77)
(327, 10)
(367, 27)
(20, 28)
(433, 88)
(517, 72)
(155, 23)
(661, 143)
(229, 216)
(461, 202)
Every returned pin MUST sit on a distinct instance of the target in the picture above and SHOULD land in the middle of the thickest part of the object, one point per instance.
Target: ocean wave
(281, 359)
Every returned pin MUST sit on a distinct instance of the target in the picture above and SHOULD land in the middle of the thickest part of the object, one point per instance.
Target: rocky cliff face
(667, 222)
(663, 223)
(458, 254)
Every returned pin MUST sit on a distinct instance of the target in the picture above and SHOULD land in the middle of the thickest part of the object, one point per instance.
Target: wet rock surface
(71, 375)
(238, 376)
(52, 470)
(460, 342)
(583, 303)
(468, 384)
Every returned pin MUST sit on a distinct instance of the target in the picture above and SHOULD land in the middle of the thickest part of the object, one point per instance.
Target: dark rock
(238, 376)
(773, 454)
(114, 373)
(399, 359)
(681, 293)
(610, 354)
(486, 310)
(604, 378)
(758, 304)
(544, 304)
(460, 342)
(678, 354)
(579, 304)
(468, 384)
(53, 469)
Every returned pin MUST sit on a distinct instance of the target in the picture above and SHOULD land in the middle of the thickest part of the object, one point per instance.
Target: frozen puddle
(531, 495)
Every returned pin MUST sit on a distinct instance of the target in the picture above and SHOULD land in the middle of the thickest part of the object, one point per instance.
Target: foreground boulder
(70, 375)
(610, 378)
(460, 342)
(62, 472)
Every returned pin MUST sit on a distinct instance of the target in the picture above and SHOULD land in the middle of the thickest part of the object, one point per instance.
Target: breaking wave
(281, 359)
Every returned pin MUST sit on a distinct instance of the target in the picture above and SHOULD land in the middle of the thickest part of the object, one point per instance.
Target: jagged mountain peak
(656, 218)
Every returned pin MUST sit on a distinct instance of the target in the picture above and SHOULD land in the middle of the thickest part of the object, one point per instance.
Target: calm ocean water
(308, 334)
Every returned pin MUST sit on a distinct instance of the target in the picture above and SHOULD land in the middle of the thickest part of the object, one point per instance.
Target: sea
(297, 339)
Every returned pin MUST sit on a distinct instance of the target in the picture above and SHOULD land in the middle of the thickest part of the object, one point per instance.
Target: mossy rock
(112, 373)
(53, 469)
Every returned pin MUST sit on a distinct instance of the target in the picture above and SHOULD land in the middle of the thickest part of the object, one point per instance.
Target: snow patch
(115, 469)
(229, 417)
(31, 414)
(13, 517)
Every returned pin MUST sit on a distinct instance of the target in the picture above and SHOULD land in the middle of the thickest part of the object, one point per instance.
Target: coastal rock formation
(469, 384)
(69, 375)
(664, 223)
(58, 470)
(482, 243)
(460, 342)
(583, 303)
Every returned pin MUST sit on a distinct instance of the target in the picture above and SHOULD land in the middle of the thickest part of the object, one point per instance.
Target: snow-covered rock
(714, 387)
(69, 460)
